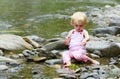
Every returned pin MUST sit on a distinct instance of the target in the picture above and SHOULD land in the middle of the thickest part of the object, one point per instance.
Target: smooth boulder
(13, 42)
(106, 48)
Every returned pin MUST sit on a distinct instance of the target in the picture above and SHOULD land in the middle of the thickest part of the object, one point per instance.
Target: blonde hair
(78, 17)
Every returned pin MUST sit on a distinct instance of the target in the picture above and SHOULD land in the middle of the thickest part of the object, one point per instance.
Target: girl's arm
(68, 38)
(86, 38)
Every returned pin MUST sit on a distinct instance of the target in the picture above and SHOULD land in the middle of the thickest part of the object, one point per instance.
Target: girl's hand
(67, 41)
(86, 38)
(84, 42)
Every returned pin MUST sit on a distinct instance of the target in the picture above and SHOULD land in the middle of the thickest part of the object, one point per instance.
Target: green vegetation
(49, 72)
(73, 66)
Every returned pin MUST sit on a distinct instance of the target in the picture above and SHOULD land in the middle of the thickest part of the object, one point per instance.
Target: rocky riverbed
(44, 55)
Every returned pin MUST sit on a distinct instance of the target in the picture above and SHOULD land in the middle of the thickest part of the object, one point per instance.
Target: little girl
(77, 39)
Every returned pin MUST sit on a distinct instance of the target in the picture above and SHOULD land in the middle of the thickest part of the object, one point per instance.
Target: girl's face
(78, 27)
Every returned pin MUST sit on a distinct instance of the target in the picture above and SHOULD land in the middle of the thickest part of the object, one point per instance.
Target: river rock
(13, 42)
(1, 53)
(30, 41)
(106, 48)
(56, 45)
(114, 30)
(63, 71)
(5, 59)
(115, 72)
(114, 22)
(53, 61)
(3, 67)
(36, 38)
(38, 59)
(105, 16)
(99, 72)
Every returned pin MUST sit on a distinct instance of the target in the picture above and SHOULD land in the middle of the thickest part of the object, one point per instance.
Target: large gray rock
(108, 30)
(56, 45)
(13, 42)
(106, 48)
(114, 22)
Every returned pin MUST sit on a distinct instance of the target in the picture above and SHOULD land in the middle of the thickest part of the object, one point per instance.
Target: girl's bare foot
(67, 64)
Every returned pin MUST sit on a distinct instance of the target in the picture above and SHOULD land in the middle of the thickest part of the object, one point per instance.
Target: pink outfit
(76, 50)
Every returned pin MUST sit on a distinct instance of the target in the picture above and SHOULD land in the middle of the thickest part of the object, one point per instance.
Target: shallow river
(44, 18)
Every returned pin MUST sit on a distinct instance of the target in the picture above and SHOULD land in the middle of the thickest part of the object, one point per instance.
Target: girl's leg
(78, 55)
(66, 58)
(92, 60)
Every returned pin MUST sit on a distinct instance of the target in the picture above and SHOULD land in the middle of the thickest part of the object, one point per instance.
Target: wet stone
(3, 67)
(68, 76)
(53, 61)
(37, 58)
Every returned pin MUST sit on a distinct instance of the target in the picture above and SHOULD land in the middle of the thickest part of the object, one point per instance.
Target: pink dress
(76, 50)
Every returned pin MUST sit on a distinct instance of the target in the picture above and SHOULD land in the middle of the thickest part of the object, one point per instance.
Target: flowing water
(44, 18)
